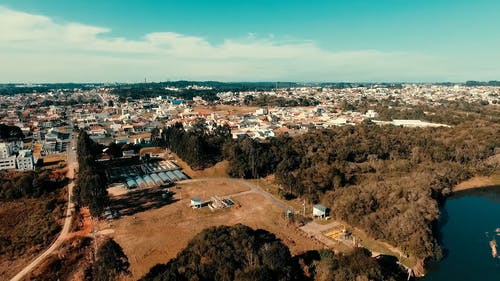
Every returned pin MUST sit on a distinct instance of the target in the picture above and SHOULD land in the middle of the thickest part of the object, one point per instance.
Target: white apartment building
(25, 160)
(8, 163)
(5, 150)
(8, 160)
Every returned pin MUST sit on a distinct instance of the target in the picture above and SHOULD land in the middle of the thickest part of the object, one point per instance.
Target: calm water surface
(468, 222)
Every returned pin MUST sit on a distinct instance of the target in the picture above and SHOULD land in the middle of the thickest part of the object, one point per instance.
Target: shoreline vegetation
(478, 182)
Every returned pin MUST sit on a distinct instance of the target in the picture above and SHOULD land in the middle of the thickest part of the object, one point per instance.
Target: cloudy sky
(127, 41)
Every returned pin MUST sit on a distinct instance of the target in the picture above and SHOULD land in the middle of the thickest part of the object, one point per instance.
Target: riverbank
(478, 183)
(465, 239)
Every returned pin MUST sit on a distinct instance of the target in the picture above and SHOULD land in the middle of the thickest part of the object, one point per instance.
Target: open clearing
(156, 236)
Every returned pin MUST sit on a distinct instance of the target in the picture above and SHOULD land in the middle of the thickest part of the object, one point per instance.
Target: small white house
(196, 202)
(320, 211)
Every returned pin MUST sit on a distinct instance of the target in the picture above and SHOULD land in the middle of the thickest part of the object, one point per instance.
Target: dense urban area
(237, 181)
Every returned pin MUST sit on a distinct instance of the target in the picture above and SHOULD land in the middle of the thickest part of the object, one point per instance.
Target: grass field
(156, 236)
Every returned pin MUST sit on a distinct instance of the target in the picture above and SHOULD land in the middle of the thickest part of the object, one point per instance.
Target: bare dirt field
(156, 236)
(54, 158)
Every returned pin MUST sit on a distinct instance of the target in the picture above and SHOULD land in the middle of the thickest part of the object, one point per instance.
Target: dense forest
(200, 146)
(90, 189)
(10, 132)
(387, 180)
(149, 90)
(32, 184)
(324, 265)
(13, 89)
(483, 83)
(268, 100)
(241, 253)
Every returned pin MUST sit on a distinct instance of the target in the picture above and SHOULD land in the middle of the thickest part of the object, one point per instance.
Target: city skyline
(386, 41)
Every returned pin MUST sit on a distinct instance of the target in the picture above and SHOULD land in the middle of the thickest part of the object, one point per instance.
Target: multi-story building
(8, 163)
(5, 150)
(25, 160)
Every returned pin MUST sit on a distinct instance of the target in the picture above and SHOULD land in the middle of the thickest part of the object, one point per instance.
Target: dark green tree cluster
(29, 184)
(90, 189)
(111, 262)
(199, 146)
(13, 89)
(253, 159)
(324, 265)
(230, 253)
(10, 132)
(114, 150)
(268, 100)
(483, 83)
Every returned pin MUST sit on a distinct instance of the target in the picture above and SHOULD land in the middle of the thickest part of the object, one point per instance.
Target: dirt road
(67, 221)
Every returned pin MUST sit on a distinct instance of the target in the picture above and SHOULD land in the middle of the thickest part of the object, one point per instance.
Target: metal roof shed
(180, 175)
(163, 176)
(156, 179)
(320, 211)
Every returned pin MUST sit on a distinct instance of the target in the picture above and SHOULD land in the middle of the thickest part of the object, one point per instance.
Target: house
(196, 202)
(320, 211)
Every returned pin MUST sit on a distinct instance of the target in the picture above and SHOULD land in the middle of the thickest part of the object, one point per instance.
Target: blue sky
(260, 40)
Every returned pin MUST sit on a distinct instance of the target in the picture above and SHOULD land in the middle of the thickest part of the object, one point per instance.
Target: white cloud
(35, 48)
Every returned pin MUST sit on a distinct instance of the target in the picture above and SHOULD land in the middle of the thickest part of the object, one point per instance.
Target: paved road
(72, 165)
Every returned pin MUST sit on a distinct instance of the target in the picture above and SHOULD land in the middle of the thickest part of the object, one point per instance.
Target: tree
(230, 253)
(90, 189)
(111, 262)
(114, 150)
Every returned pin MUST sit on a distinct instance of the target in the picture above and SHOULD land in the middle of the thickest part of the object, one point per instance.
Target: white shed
(320, 211)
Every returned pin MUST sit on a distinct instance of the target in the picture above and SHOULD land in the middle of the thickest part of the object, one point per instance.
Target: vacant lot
(156, 236)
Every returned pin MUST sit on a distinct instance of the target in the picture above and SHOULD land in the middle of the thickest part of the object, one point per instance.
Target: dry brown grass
(156, 236)
(478, 182)
(19, 216)
(55, 158)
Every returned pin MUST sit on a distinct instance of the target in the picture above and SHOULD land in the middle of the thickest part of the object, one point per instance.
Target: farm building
(320, 211)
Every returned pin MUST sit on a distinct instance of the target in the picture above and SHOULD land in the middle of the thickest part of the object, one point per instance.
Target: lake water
(467, 224)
